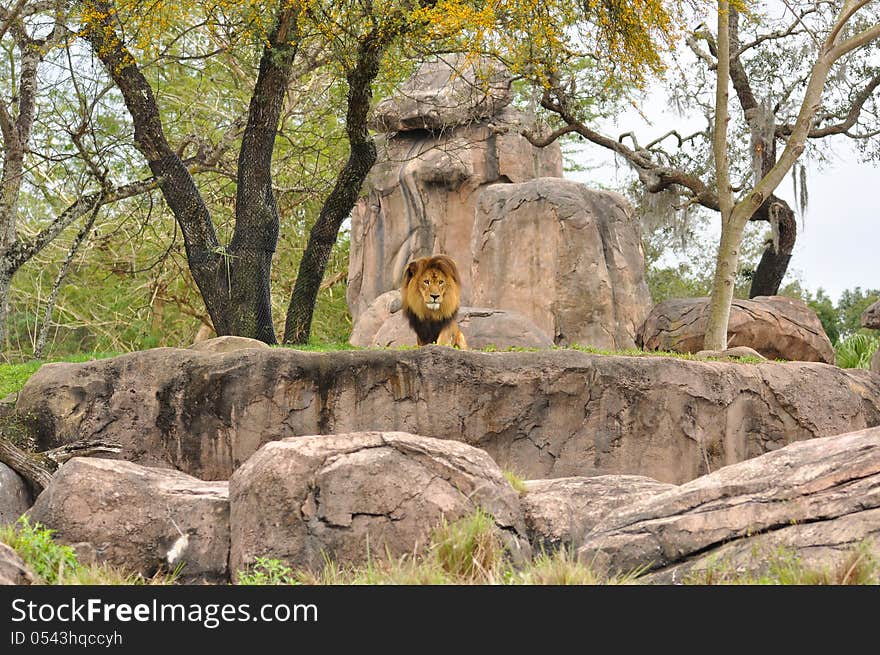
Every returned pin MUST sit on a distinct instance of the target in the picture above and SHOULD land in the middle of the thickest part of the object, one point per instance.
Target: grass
(516, 481)
(858, 566)
(14, 375)
(856, 351)
(464, 552)
(56, 564)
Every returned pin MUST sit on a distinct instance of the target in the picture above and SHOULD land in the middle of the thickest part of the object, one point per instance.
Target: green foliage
(468, 548)
(13, 376)
(267, 571)
(856, 351)
(783, 566)
(842, 320)
(516, 481)
(48, 560)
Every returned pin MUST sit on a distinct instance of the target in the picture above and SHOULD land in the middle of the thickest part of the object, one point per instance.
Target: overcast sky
(838, 243)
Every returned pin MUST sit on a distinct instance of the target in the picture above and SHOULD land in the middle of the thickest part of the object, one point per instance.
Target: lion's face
(431, 287)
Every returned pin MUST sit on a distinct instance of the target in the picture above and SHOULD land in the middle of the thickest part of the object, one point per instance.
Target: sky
(838, 242)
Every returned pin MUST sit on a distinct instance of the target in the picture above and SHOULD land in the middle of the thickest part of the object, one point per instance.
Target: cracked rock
(776, 326)
(351, 496)
(818, 498)
(141, 519)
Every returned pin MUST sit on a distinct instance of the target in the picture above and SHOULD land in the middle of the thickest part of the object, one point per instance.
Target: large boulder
(15, 495)
(420, 197)
(373, 317)
(875, 362)
(871, 316)
(775, 326)
(142, 519)
(349, 496)
(818, 498)
(449, 91)
(482, 327)
(543, 414)
(566, 256)
(13, 570)
(559, 512)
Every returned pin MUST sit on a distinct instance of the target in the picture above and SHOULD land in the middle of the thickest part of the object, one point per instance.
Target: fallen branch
(38, 468)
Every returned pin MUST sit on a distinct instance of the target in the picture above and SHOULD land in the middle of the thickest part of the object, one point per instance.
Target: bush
(48, 560)
(856, 351)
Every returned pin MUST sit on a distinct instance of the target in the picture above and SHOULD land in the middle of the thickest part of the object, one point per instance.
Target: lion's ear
(410, 272)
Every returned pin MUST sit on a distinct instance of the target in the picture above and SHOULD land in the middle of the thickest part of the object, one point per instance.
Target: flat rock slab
(817, 498)
(541, 414)
(142, 519)
(348, 496)
(559, 512)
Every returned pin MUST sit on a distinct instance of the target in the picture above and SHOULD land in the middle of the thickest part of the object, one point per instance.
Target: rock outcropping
(542, 414)
(142, 519)
(15, 496)
(445, 143)
(566, 256)
(345, 496)
(818, 498)
(775, 326)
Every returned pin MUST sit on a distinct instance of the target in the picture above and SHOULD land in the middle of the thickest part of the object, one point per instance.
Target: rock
(13, 570)
(737, 352)
(566, 256)
(373, 317)
(875, 362)
(816, 497)
(419, 199)
(775, 326)
(142, 519)
(15, 495)
(227, 344)
(352, 495)
(447, 92)
(871, 316)
(482, 327)
(543, 414)
(560, 512)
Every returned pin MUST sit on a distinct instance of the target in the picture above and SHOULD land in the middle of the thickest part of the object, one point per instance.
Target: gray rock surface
(227, 344)
(816, 498)
(139, 518)
(13, 570)
(482, 327)
(775, 326)
(560, 512)
(444, 93)
(15, 495)
(350, 495)
(542, 414)
(566, 256)
(871, 316)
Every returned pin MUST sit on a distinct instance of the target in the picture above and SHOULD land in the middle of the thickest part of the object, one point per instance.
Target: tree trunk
(774, 261)
(338, 206)
(723, 285)
(5, 283)
(234, 282)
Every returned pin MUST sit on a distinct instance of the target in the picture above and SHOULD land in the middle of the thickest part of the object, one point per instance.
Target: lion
(431, 295)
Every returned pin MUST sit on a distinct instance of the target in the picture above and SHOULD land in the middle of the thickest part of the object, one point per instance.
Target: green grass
(56, 564)
(14, 375)
(516, 481)
(858, 566)
(856, 351)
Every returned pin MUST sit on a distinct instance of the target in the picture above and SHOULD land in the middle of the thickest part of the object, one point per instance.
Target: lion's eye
(440, 282)
(426, 282)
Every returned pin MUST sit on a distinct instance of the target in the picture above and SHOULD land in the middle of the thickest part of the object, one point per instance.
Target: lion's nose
(435, 296)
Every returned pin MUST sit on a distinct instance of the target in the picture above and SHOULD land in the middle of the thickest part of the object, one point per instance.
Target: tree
(844, 36)
(767, 68)
(31, 32)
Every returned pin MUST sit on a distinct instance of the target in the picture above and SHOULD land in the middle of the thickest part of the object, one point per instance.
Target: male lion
(431, 294)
